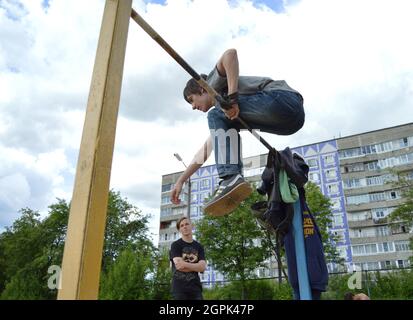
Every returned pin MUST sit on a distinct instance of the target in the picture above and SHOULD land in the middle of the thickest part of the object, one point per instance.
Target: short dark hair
(178, 223)
(348, 296)
(192, 87)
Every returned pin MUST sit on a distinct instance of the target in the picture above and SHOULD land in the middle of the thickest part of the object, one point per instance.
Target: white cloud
(350, 59)
(15, 190)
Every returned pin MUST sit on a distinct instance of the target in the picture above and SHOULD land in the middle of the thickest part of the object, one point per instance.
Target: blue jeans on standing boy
(278, 111)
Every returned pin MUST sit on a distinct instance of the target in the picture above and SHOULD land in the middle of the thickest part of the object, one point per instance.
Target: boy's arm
(183, 266)
(228, 66)
(199, 159)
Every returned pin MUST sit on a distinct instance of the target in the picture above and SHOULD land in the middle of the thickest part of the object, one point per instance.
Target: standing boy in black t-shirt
(188, 258)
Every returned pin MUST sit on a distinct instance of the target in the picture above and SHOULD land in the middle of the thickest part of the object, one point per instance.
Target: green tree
(126, 277)
(162, 275)
(403, 214)
(320, 207)
(126, 226)
(234, 243)
(31, 245)
(22, 257)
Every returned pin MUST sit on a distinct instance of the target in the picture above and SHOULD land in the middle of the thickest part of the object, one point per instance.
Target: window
(331, 174)
(352, 183)
(312, 163)
(379, 196)
(386, 247)
(371, 248)
(386, 163)
(166, 187)
(205, 183)
(165, 199)
(204, 196)
(336, 203)
(332, 188)
(166, 211)
(378, 213)
(362, 198)
(358, 250)
(402, 245)
(194, 197)
(372, 166)
(194, 185)
(359, 216)
(364, 233)
(384, 147)
(404, 142)
(343, 252)
(383, 231)
(397, 229)
(314, 177)
(357, 167)
(350, 153)
(371, 265)
(406, 158)
(340, 235)
(194, 211)
(338, 220)
(396, 161)
(166, 235)
(368, 149)
(177, 211)
(374, 181)
(329, 159)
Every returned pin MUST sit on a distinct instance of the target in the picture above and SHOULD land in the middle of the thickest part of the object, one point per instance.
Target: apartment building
(369, 164)
(352, 171)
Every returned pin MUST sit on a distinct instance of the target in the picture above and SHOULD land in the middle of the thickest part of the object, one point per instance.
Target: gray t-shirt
(246, 84)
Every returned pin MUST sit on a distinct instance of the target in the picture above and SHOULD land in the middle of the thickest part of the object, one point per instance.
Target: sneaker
(230, 193)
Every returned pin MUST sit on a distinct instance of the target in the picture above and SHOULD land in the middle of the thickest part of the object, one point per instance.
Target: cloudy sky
(351, 59)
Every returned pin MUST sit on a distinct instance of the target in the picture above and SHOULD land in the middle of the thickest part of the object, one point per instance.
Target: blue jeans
(278, 112)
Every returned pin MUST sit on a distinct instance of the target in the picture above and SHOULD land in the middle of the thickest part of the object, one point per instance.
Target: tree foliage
(235, 244)
(320, 207)
(403, 214)
(162, 275)
(31, 245)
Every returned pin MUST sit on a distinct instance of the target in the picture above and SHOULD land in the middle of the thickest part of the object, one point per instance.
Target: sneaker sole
(230, 201)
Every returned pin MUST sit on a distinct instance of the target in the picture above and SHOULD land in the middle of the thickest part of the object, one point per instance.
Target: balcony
(171, 217)
(169, 230)
(360, 223)
(373, 204)
(378, 238)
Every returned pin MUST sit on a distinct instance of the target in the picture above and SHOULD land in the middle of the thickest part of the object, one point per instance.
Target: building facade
(354, 172)
(369, 166)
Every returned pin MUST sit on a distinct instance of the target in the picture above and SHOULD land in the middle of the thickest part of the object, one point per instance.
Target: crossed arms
(183, 266)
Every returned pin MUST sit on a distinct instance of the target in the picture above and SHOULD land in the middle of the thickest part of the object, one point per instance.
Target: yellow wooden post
(84, 243)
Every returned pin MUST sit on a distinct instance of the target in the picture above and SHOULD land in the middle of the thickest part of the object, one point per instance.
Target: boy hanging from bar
(263, 103)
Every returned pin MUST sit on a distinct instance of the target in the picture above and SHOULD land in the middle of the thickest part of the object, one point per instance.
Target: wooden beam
(84, 242)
